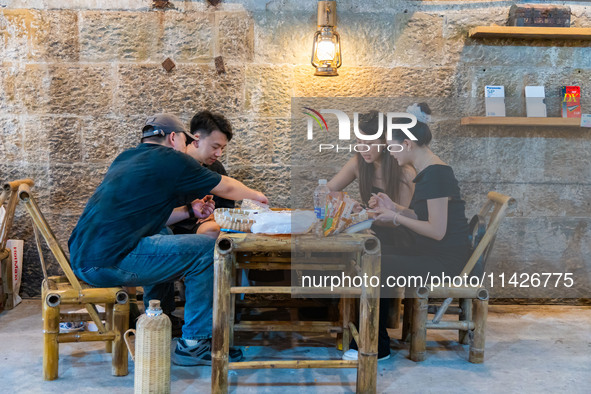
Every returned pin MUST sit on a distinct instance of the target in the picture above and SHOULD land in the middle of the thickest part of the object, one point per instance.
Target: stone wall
(78, 78)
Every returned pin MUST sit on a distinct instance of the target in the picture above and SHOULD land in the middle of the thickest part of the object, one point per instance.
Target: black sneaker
(199, 354)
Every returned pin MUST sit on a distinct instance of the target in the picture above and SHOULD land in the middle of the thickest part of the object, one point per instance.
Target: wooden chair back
(24, 193)
(9, 192)
(495, 209)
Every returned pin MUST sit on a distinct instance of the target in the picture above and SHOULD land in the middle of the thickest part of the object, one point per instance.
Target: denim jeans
(155, 263)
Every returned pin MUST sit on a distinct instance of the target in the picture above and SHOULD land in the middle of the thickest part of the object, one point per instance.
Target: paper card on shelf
(585, 120)
(494, 100)
(535, 101)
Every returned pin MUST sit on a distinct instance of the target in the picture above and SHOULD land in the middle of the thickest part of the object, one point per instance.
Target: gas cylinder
(152, 351)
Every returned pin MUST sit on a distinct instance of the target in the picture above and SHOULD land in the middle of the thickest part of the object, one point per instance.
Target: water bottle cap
(154, 304)
(322, 181)
(154, 308)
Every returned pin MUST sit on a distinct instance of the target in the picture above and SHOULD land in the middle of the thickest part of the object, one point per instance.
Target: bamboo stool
(58, 290)
(8, 189)
(365, 250)
(473, 301)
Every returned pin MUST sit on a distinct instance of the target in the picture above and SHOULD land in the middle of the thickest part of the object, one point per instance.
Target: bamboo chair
(473, 301)
(63, 290)
(8, 189)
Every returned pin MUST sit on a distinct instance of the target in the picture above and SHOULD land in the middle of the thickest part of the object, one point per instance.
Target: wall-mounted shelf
(527, 32)
(520, 121)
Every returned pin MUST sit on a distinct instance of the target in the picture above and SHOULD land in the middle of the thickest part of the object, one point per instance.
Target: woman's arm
(345, 176)
(435, 227)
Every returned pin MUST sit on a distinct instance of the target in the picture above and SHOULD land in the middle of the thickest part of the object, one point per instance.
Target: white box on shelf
(494, 100)
(535, 102)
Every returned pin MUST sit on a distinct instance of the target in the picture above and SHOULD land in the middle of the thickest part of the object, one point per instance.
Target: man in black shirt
(212, 133)
(121, 237)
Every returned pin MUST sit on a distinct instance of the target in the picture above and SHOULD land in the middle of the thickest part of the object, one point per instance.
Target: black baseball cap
(162, 124)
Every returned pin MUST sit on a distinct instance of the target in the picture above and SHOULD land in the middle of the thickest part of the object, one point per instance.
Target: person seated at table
(212, 134)
(376, 170)
(121, 237)
(431, 235)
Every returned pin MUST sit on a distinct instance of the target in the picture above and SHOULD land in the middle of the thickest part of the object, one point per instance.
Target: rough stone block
(503, 52)
(287, 39)
(273, 181)
(268, 90)
(457, 23)
(468, 157)
(235, 36)
(565, 160)
(533, 200)
(103, 138)
(260, 141)
(146, 36)
(76, 89)
(419, 39)
(112, 35)
(11, 135)
(187, 36)
(72, 185)
(368, 39)
(10, 171)
(57, 36)
(378, 82)
(16, 31)
(52, 140)
(545, 244)
(146, 89)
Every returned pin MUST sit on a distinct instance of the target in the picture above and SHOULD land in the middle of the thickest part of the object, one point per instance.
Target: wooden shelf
(520, 121)
(527, 32)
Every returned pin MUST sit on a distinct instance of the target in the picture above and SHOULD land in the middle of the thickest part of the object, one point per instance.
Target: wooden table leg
(221, 318)
(367, 369)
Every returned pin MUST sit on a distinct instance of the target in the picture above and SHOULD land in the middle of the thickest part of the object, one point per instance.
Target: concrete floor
(529, 349)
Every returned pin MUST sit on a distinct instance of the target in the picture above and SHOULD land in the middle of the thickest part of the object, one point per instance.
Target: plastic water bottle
(320, 194)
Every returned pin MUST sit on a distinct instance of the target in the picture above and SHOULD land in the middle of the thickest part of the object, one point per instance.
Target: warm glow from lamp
(326, 51)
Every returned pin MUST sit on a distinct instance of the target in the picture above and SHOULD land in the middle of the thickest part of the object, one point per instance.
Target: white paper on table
(283, 222)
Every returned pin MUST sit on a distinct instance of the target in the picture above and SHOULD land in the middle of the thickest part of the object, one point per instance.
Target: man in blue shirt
(121, 237)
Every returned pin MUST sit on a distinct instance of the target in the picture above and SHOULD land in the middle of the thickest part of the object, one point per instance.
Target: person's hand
(382, 200)
(385, 216)
(202, 208)
(373, 201)
(260, 197)
(357, 207)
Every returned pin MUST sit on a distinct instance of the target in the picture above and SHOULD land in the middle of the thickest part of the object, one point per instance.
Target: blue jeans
(155, 263)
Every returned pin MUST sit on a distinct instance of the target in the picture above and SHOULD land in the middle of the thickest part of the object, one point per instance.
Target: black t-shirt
(437, 181)
(190, 226)
(135, 199)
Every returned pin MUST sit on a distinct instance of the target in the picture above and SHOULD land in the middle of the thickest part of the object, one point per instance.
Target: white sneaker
(353, 355)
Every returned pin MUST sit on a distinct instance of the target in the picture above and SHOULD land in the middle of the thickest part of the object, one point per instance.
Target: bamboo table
(364, 247)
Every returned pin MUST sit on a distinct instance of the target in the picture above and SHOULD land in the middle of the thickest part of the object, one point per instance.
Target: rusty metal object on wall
(539, 15)
(162, 4)
(168, 64)
(219, 65)
(214, 2)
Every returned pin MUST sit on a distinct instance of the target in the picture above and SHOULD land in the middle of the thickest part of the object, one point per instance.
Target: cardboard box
(494, 100)
(571, 101)
(535, 102)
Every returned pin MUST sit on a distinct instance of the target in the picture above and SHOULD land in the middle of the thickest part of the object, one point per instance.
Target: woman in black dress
(431, 236)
